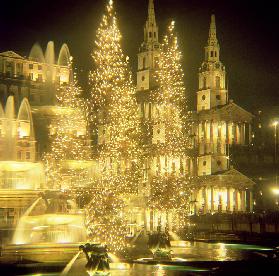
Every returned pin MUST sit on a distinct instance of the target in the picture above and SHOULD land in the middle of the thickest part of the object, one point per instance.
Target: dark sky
(248, 33)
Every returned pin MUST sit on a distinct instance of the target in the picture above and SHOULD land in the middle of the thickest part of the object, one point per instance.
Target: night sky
(247, 31)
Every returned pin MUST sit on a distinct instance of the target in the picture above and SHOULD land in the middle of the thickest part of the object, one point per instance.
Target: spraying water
(113, 258)
(174, 236)
(17, 238)
(69, 265)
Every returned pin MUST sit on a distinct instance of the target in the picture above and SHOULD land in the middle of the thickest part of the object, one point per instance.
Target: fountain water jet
(49, 226)
(69, 265)
(50, 53)
(36, 53)
(64, 55)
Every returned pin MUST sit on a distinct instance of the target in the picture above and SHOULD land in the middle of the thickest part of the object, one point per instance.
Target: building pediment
(230, 112)
(230, 178)
(11, 54)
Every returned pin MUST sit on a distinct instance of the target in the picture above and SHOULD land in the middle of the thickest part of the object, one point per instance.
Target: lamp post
(275, 124)
(275, 190)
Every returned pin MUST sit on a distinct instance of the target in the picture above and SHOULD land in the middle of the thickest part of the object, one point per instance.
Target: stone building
(220, 124)
(35, 77)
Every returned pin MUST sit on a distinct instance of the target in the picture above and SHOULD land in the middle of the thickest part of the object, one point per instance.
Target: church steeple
(212, 49)
(212, 38)
(212, 74)
(151, 13)
(148, 57)
(151, 29)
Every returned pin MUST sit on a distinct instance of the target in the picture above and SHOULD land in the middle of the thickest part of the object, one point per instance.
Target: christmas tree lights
(170, 187)
(69, 139)
(115, 112)
(106, 220)
(116, 124)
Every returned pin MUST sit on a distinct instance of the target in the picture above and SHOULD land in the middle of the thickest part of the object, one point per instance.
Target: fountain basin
(41, 252)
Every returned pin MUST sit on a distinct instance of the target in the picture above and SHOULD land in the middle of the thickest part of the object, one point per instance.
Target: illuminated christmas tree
(116, 125)
(170, 187)
(105, 220)
(115, 113)
(65, 163)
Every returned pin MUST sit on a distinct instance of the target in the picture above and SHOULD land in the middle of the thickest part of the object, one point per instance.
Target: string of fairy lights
(122, 136)
(69, 137)
(170, 189)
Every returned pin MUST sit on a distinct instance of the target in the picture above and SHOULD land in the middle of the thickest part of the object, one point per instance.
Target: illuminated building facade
(21, 176)
(220, 124)
(18, 166)
(36, 77)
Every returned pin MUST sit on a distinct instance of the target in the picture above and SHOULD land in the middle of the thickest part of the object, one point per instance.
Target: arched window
(217, 80)
(204, 82)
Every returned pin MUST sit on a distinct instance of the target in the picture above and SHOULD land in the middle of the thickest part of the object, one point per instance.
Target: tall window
(144, 63)
(217, 81)
(156, 61)
(204, 82)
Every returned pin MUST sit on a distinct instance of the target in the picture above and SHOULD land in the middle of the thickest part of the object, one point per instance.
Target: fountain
(18, 167)
(64, 56)
(50, 230)
(36, 53)
(50, 53)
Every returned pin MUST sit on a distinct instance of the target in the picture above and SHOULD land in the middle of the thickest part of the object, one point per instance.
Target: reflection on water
(191, 251)
(200, 251)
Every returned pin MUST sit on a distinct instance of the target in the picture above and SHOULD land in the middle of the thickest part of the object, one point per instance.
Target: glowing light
(68, 146)
(275, 191)
(114, 117)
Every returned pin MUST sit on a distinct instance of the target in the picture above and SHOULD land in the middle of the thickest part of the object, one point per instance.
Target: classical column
(251, 202)
(228, 200)
(250, 135)
(236, 200)
(243, 133)
(151, 220)
(205, 201)
(243, 203)
(212, 199)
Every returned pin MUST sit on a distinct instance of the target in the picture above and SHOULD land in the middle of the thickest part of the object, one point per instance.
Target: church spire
(151, 29)
(212, 38)
(151, 13)
(212, 49)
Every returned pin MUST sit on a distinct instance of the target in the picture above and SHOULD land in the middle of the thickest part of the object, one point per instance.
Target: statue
(159, 244)
(97, 258)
